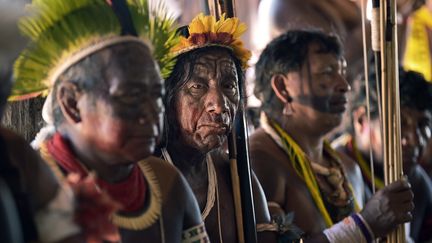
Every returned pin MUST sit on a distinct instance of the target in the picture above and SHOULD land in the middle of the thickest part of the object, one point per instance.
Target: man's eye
(197, 86)
(229, 86)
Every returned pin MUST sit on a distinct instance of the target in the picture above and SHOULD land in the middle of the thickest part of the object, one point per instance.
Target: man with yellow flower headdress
(201, 102)
(96, 59)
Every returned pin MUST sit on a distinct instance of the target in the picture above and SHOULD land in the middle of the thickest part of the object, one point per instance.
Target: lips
(338, 105)
(214, 127)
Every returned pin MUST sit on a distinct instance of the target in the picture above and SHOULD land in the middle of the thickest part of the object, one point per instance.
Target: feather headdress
(206, 31)
(64, 32)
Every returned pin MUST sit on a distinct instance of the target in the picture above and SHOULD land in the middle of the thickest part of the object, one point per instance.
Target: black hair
(91, 73)
(181, 74)
(287, 53)
(415, 92)
(5, 87)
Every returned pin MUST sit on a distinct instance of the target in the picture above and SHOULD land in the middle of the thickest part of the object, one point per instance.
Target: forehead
(317, 57)
(135, 66)
(213, 61)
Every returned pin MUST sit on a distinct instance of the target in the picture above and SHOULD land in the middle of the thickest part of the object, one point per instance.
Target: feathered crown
(206, 31)
(63, 32)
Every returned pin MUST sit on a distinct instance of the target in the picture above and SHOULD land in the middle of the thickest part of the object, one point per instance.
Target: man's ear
(68, 95)
(278, 83)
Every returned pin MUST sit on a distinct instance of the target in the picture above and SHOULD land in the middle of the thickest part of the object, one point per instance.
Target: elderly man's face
(124, 119)
(206, 104)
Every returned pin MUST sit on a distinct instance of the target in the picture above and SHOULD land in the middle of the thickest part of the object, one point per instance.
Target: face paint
(126, 117)
(324, 87)
(206, 104)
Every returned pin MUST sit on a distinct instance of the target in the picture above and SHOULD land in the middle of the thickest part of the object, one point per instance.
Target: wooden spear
(238, 150)
(390, 102)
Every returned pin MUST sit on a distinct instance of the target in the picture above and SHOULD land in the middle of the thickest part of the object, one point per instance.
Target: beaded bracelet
(364, 227)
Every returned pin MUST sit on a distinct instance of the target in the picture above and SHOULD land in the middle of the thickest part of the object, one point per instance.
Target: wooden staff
(238, 151)
(366, 71)
(390, 102)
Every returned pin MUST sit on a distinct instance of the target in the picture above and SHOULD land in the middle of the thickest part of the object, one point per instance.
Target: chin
(138, 155)
(212, 142)
(138, 150)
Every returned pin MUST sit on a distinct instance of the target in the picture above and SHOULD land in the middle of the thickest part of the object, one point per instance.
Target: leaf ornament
(64, 32)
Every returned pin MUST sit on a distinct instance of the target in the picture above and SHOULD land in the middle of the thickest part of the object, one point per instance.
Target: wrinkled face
(124, 119)
(206, 104)
(319, 90)
(416, 131)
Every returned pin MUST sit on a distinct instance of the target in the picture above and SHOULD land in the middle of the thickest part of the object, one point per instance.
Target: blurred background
(266, 19)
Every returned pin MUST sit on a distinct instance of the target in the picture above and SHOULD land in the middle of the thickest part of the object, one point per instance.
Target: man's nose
(216, 101)
(342, 84)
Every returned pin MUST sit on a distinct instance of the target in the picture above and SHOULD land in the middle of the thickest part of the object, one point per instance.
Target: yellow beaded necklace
(302, 166)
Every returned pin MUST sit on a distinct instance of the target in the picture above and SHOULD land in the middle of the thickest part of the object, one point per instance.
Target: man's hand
(389, 207)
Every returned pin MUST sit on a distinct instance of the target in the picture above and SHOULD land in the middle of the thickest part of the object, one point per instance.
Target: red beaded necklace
(130, 193)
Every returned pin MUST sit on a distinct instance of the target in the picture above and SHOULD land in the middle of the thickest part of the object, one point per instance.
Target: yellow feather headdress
(206, 31)
(63, 32)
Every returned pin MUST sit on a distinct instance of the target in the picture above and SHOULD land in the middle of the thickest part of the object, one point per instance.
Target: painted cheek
(186, 114)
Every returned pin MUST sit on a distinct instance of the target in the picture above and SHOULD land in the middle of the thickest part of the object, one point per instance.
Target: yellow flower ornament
(206, 31)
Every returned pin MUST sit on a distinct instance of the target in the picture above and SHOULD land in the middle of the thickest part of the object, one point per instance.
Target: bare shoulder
(271, 166)
(171, 181)
(168, 175)
(176, 191)
(265, 152)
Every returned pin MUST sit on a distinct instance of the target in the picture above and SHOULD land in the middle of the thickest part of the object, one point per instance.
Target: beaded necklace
(302, 166)
(139, 222)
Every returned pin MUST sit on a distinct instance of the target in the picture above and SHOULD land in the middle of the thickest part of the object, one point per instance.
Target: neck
(190, 161)
(106, 168)
(311, 144)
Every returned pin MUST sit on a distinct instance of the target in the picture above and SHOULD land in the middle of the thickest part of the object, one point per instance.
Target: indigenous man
(416, 118)
(106, 104)
(34, 188)
(332, 16)
(299, 79)
(202, 100)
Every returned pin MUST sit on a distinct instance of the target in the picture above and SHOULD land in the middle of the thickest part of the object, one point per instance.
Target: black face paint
(325, 104)
(333, 104)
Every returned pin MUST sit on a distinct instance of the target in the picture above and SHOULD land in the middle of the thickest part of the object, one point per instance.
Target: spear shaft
(239, 150)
